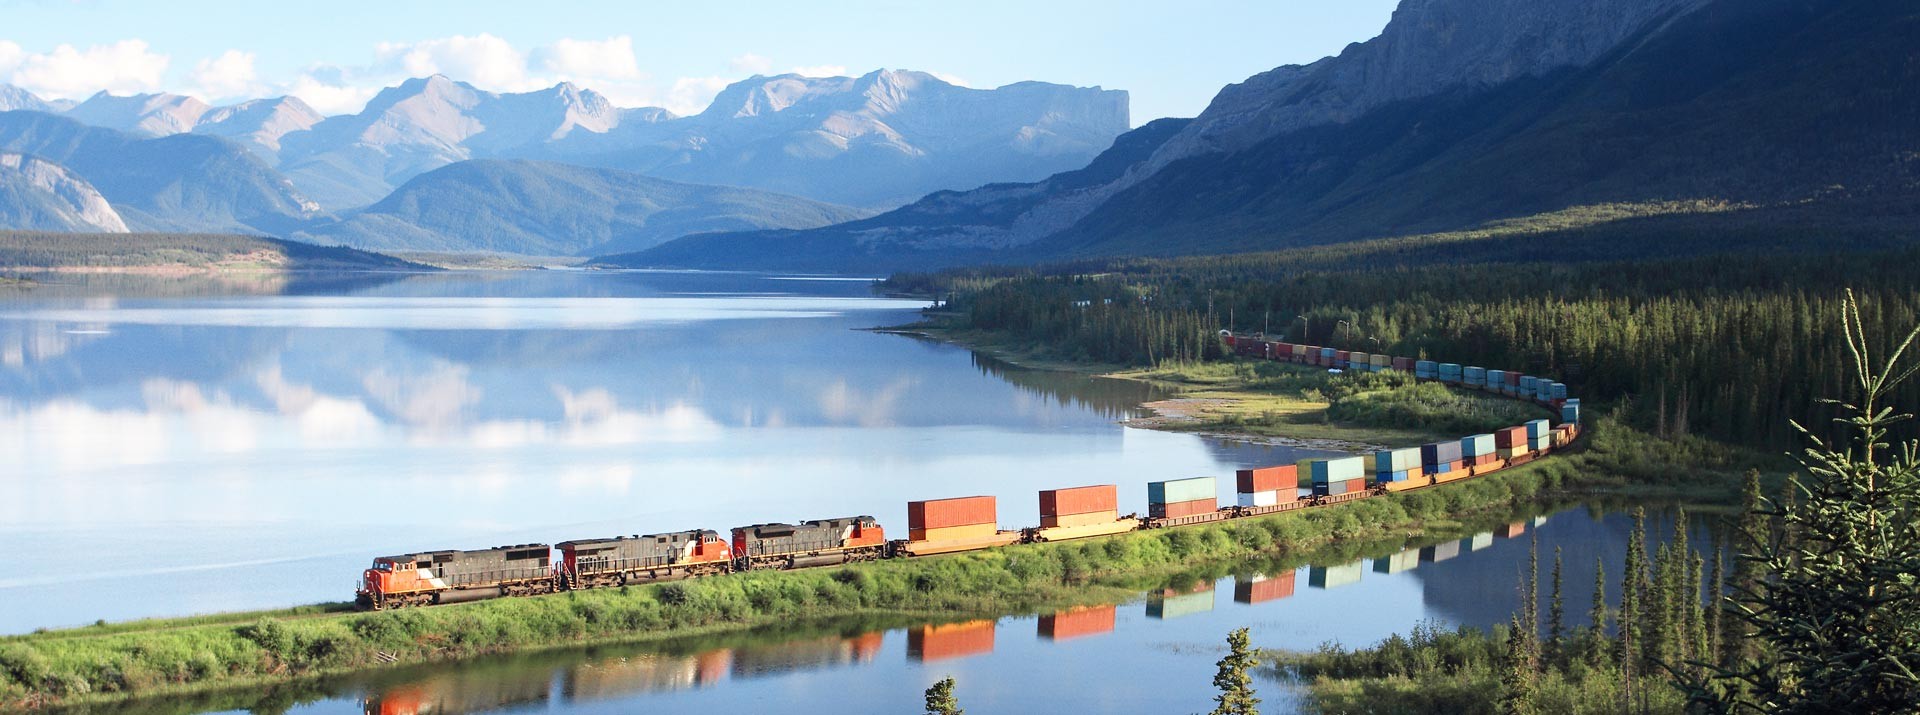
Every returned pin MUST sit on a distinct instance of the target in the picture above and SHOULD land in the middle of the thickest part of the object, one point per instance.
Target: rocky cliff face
(1429, 47)
(12, 98)
(38, 195)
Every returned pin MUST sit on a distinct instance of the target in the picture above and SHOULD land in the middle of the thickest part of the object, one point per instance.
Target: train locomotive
(962, 524)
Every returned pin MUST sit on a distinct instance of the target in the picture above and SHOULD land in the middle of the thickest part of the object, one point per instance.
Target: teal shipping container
(1336, 576)
(1538, 428)
(1426, 369)
(1185, 604)
(1570, 414)
(1450, 372)
(1496, 379)
(1474, 376)
(1477, 445)
(1179, 490)
(1403, 561)
(1337, 470)
(1396, 460)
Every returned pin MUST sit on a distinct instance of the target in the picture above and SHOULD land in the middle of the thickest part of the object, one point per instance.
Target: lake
(219, 446)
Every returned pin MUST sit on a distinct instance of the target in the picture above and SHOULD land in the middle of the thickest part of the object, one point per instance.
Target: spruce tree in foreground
(1838, 618)
(940, 700)
(1234, 679)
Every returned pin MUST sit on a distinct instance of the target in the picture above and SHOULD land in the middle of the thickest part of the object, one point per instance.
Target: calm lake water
(182, 447)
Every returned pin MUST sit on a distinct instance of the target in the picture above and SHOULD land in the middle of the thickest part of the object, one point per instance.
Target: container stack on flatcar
(1399, 469)
(971, 523)
(1080, 512)
(939, 526)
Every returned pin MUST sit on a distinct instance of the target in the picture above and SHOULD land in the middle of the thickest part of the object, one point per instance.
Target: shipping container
(1397, 563)
(1336, 576)
(1511, 437)
(953, 533)
(1450, 372)
(1538, 428)
(958, 511)
(1526, 384)
(954, 640)
(1336, 469)
(1356, 360)
(1543, 390)
(1052, 521)
(1511, 452)
(1174, 603)
(1511, 531)
(1426, 369)
(1495, 379)
(1477, 541)
(1341, 358)
(1379, 362)
(1262, 498)
(1407, 364)
(1570, 414)
(1440, 453)
(1356, 485)
(1396, 460)
(1440, 552)
(1400, 476)
(1079, 500)
(1175, 510)
(1559, 391)
(1330, 489)
(1267, 479)
(1477, 445)
(1077, 622)
(1328, 356)
(1261, 588)
(1474, 376)
(1181, 490)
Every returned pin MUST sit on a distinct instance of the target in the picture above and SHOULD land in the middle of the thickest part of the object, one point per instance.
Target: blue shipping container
(1474, 376)
(1425, 369)
(1477, 445)
(1538, 428)
(1337, 470)
(1570, 414)
(1559, 391)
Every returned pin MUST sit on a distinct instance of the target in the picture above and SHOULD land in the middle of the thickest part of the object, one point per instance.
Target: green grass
(1295, 401)
(116, 661)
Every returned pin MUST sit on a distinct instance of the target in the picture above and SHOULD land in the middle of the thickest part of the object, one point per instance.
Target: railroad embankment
(119, 661)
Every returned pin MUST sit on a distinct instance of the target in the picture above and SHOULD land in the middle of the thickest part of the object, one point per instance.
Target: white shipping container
(1266, 498)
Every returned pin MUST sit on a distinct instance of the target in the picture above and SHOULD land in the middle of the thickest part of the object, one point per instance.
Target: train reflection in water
(566, 679)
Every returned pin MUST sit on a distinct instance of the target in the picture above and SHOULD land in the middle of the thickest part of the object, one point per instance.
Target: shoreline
(111, 663)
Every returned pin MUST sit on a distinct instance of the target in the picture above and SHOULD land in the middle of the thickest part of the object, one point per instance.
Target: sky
(1170, 56)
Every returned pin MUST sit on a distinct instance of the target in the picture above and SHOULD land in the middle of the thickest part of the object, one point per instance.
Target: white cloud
(692, 94)
(750, 64)
(952, 79)
(820, 71)
(229, 75)
(67, 72)
(611, 58)
(484, 60)
(10, 56)
(329, 97)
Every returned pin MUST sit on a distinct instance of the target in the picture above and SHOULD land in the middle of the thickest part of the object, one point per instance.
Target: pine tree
(1750, 536)
(1556, 617)
(1518, 678)
(1597, 617)
(940, 699)
(1235, 680)
(1839, 616)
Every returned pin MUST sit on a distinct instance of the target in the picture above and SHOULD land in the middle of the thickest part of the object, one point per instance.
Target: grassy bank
(113, 662)
(181, 252)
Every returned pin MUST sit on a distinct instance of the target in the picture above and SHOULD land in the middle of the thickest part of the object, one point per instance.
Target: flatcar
(820, 542)
(622, 560)
(436, 577)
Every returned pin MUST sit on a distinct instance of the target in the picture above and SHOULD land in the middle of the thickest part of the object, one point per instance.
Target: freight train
(962, 524)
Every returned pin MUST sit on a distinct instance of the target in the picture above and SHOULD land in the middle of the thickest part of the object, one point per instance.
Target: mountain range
(550, 209)
(1462, 113)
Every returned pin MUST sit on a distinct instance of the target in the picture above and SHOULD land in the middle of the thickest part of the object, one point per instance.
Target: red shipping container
(1403, 364)
(1511, 437)
(1182, 508)
(1267, 479)
(959, 511)
(1342, 356)
(1356, 485)
(929, 643)
(1073, 623)
(1271, 589)
(1079, 500)
(1513, 378)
